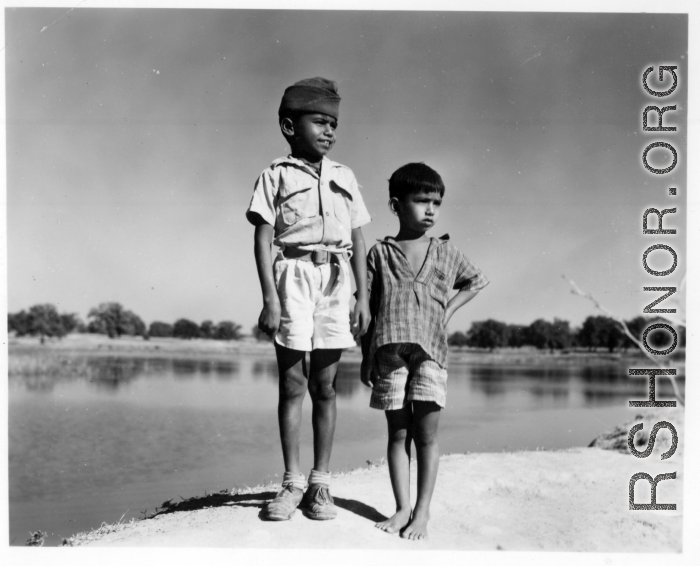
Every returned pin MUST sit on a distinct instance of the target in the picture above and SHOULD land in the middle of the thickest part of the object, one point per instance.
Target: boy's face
(311, 136)
(418, 211)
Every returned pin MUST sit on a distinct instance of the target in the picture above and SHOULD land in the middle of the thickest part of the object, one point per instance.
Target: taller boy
(312, 209)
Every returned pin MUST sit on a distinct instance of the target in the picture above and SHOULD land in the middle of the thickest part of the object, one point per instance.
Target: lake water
(141, 431)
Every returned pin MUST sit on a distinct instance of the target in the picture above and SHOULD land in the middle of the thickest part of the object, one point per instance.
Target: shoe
(318, 503)
(282, 507)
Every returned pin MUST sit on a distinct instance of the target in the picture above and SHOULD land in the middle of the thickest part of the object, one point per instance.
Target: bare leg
(292, 388)
(399, 457)
(426, 416)
(324, 366)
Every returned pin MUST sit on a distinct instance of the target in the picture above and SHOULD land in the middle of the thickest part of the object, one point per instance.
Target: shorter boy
(405, 351)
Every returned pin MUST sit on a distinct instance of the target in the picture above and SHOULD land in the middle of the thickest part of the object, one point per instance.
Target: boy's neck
(311, 161)
(407, 235)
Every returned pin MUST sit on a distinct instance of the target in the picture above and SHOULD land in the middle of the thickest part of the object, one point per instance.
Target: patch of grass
(94, 534)
(36, 538)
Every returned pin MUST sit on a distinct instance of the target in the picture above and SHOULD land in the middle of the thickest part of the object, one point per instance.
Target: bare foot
(417, 528)
(395, 523)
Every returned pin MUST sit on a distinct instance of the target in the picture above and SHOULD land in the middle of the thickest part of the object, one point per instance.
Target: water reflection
(109, 373)
(558, 395)
(265, 369)
(596, 383)
(347, 381)
(42, 372)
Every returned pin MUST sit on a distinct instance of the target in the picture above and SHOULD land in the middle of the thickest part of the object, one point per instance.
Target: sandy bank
(572, 500)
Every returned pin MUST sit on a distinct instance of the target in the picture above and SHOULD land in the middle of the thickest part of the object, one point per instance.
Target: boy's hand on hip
(366, 374)
(447, 315)
(360, 318)
(269, 319)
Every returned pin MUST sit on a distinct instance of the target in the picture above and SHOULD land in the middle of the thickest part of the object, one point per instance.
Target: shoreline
(129, 346)
(574, 500)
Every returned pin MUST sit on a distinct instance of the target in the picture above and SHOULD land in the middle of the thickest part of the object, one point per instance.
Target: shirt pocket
(297, 201)
(439, 285)
(342, 201)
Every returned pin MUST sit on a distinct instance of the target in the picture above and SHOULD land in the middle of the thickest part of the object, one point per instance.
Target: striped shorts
(405, 373)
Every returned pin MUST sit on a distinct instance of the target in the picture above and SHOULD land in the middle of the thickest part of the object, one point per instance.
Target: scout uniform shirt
(308, 211)
(408, 307)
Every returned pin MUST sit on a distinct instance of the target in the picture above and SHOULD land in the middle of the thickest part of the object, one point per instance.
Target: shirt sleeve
(469, 276)
(359, 216)
(372, 283)
(373, 292)
(263, 201)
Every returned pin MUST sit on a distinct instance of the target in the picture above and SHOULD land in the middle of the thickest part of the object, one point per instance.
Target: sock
(296, 480)
(321, 478)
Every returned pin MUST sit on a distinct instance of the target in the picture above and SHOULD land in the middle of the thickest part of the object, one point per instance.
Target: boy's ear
(287, 126)
(394, 205)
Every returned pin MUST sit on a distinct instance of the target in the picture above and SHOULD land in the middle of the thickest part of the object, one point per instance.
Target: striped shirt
(408, 307)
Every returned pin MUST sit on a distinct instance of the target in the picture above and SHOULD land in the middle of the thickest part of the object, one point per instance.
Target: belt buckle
(319, 256)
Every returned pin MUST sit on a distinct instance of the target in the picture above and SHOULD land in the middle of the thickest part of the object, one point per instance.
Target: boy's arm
(361, 316)
(366, 370)
(469, 280)
(269, 319)
(462, 297)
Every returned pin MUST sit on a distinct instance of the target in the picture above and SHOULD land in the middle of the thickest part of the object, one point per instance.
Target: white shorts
(315, 301)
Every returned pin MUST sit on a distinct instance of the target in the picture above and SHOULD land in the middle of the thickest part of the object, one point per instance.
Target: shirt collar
(433, 241)
(293, 161)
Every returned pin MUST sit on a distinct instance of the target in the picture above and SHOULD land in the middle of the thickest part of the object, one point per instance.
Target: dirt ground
(572, 500)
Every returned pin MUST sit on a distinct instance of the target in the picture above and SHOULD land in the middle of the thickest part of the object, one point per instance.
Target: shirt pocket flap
(296, 199)
(292, 186)
(341, 185)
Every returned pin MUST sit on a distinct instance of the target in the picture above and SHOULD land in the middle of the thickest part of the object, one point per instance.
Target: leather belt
(316, 256)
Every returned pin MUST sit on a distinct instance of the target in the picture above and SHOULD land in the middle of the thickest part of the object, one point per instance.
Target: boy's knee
(322, 391)
(399, 435)
(424, 437)
(292, 386)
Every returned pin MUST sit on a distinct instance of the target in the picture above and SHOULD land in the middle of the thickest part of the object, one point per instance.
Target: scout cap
(312, 95)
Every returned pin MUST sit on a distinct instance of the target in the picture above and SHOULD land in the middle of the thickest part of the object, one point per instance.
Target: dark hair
(415, 178)
(294, 115)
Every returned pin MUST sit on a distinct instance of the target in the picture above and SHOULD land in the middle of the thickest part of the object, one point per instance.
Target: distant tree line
(43, 321)
(113, 320)
(595, 332)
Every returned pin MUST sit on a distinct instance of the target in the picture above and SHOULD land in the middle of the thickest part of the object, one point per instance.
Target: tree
(540, 334)
(227, 330)
(488, 334)
(457, 339)
(207, 330)
(562, 336)
(160, 330)
(114, 321)
(517, 335)
(184, 328)
(19, 323)
(43, 320)
(600, 332)
(71, 322)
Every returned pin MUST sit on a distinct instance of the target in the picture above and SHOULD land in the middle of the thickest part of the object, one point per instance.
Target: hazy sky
(134, 138)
